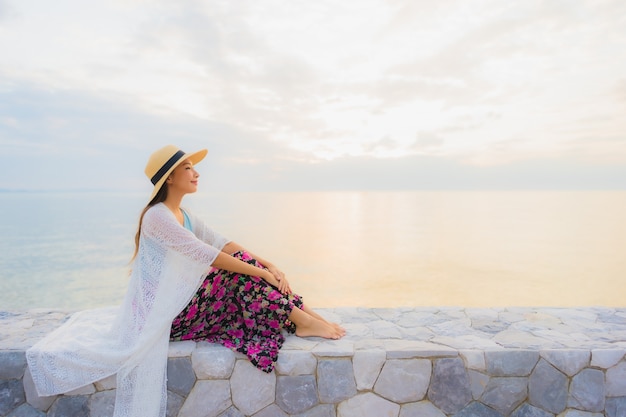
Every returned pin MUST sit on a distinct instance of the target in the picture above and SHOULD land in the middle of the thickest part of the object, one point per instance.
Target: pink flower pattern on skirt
(241, 312)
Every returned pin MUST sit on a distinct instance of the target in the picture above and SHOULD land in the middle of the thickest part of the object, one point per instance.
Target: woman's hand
(279, 276)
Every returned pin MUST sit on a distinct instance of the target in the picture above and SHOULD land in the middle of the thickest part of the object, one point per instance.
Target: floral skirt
(241, 312)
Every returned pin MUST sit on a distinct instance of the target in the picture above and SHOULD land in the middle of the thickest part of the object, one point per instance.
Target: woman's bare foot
(319, 328)
(336, 326)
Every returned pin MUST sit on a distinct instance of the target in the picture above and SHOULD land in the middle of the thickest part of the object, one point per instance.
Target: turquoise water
(70, 250)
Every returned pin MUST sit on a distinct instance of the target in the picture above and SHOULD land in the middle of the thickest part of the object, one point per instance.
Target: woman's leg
(308, 325)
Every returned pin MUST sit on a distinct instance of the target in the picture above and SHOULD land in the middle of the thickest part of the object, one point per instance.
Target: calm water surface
(377, 249)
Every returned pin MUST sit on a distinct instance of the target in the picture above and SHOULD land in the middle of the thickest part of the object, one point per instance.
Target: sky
(315, 95)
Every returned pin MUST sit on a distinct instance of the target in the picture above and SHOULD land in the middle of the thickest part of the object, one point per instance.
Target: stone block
(293, 342)
(271, 411)
(32, 397)
(181, 348)
(615, 407)
(578, 413)
(478, 383)
(616, 380)
(174, 404)
(335, 378)
(367, 365)
(522, 339)
(107, 383)
(334, 348)
(390, 314)
(409, 349)
(358, 328)
(450, 387)
(505, 394)
(11, 395)
(606, 358)
(547, 388)
(449, 313)
(404, 380)
(180, 376)
(252, 389)
(382, 329)
(25, 410)
(231, 412)
(467, 341)
(417, 333)
(350, 314)
(207, 399)
(474, 359)
(321, 410)
(102, 404)
(294, 362)
(511, 315)
(483, 314)
(612, 316)
(511, 362)
(367, 405)
(568, 361)
(587, 390)
(527, 410)
(489, 325)
(76, 406)
(477, 409)
(12, 364)
(421, 409)
(453, 327)
(211, 361)
(86, 390)
(295, 394)
(418, 318)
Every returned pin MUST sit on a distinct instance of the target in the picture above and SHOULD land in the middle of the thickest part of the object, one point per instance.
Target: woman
(187, 282)
(244, 301)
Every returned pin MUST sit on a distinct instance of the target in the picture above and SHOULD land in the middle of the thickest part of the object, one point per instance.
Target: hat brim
(194, 157)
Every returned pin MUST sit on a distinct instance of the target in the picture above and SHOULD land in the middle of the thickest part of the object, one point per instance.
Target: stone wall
(395, 363)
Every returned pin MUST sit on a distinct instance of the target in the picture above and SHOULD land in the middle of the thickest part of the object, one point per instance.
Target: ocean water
(376, 249)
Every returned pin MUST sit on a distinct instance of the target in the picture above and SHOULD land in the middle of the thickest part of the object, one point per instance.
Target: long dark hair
(160, 197)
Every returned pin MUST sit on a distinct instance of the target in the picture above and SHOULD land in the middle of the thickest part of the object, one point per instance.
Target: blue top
(186, 222)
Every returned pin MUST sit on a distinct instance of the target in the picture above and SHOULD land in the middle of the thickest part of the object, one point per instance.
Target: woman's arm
(160, 225)
(227, 262)
(232, 247)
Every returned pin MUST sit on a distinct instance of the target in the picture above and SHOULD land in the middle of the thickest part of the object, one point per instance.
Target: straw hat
(162, 163)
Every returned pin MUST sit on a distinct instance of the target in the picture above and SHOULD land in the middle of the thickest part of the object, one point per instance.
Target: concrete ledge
(431, 362)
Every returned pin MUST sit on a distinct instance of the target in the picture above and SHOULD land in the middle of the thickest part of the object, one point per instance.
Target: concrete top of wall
(408, 332)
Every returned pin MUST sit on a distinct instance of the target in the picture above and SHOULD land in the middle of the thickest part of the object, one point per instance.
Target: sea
(71, 250)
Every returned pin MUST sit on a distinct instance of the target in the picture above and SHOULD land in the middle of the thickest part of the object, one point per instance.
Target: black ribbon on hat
(166, 166)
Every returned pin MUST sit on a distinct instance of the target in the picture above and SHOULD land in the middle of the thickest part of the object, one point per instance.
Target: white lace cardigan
(132, 340)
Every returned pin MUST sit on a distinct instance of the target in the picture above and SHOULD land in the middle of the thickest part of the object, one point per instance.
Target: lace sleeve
(160, 225)
(205, 233)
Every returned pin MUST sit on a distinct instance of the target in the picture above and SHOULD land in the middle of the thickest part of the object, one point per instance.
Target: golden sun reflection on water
(475, 249)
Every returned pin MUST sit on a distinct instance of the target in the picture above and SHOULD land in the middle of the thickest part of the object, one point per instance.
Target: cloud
(6, 11)
(427, 141)
(287, 92)
(620, 90)
(71, 140)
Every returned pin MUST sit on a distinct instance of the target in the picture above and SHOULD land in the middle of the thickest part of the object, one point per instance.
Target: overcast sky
(307, 95)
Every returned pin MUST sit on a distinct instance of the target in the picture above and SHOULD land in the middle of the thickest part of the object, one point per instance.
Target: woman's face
(184, 178)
